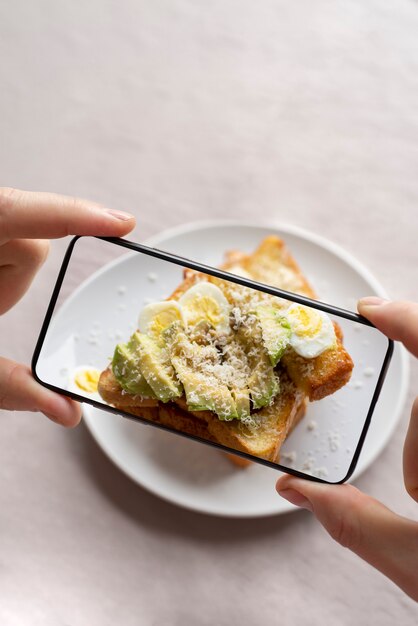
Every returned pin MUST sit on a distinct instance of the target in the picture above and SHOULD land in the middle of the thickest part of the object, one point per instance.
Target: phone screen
(272, 376)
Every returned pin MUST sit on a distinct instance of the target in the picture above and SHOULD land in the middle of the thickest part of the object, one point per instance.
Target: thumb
(398, 320)
(387, 541)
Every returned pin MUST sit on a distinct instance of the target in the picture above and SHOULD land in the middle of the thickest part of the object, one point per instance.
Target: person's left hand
(27, 221)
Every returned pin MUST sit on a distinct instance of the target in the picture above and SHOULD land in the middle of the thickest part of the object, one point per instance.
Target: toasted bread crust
(273, 264)
(274, 421)
(323, 375)
(171, 416)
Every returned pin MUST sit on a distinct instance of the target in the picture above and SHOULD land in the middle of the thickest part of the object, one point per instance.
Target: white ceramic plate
(188, 473)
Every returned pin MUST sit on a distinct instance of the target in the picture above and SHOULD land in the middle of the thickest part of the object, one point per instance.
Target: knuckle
(8, 195)
(73, 206)
(344, 526)
(77, 204)
(403, 321)
(13, 372)
(343, 530)
(72, 202)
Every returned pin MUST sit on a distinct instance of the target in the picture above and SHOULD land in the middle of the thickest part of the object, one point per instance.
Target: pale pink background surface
(303, 112)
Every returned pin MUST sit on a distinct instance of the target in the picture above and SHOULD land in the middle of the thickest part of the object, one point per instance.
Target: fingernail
(296, 498)
(119, 215)
(371, 301)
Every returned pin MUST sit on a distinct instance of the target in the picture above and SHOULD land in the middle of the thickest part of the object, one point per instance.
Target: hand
(27, 220)
(384, 539)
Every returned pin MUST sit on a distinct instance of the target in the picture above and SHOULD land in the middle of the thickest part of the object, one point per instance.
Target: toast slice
(323, 375)
(301, 379)
(271, 426)
(273, 264)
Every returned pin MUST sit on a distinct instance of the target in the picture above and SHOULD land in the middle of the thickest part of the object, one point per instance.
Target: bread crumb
(290, 457)
(334, 441)
(368, 371)
(308, 465)
(321, 472)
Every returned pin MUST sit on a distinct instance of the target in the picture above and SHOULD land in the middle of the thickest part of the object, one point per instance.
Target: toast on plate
(229, 364)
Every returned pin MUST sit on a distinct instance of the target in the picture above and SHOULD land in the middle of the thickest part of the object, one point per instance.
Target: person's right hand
(27, 221)
(384, 539)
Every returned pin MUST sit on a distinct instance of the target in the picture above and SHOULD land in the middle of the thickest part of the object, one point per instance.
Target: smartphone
(262, 373)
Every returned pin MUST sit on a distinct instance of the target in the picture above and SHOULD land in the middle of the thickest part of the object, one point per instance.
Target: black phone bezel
(246, 282)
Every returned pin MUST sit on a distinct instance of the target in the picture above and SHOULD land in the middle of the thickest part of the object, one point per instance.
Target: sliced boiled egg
(156, 316)
(205, 301)
(312, 331)
(84, 380)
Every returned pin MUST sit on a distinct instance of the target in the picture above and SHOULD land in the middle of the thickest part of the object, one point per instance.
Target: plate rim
(323, 242)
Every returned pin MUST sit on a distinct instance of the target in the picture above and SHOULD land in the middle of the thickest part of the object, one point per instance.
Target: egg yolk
(203, 307)
(305, 323)
(160, 321)
(87, 380)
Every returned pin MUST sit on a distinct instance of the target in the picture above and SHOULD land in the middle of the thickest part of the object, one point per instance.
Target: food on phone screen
(228, 363)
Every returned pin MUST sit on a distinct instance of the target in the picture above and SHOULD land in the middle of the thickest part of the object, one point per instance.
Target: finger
(20, 392)
(20, 259)
(410, 454)
(398, 320)
(387, 541)
(37, 215)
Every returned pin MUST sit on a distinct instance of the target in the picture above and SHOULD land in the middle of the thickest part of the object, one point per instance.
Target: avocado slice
(204, 392)
(263, 382)
(275, 330)
(154, 363)
(125, 368)
(242, 400)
